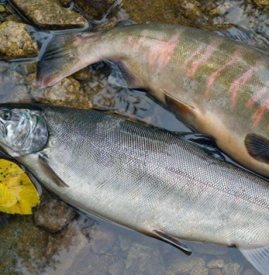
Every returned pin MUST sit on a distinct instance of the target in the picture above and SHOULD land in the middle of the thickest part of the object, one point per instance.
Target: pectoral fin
(173, 240)
(50, 172)
(258, 147)
(258, 257)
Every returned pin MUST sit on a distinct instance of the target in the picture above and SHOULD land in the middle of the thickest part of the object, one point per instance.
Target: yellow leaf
(17, 193)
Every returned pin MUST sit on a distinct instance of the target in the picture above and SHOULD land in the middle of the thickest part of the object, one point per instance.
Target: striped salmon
(218, 86)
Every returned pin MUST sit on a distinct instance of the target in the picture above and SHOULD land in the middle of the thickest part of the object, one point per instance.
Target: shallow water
(91, 246)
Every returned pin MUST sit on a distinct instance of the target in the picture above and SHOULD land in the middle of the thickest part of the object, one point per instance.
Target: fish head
(22, 131)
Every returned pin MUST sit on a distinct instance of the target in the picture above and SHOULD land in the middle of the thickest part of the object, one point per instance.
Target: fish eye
(5, 115)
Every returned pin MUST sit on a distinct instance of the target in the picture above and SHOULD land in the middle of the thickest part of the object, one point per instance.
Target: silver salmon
(145, 179)
(218, 86)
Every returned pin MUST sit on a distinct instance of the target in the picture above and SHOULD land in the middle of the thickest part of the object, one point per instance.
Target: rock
(53, 216)
(23, 246)
(93, 265)
(251, 272)
(125, 242)
(49, 14)
(215, 271)
(96, 9)
(144, 260)
(261, 3)
(66, 3)
(67, 248)
(236, 15)
(168, 11)
(2, 8)
(218, 263)
(102, 239)
(117, 268)
(67, 92)
(187, 265)
(83, 75)
(231, 269)
(15, 42)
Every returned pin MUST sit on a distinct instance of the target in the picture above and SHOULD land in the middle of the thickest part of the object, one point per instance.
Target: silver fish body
(147, 179)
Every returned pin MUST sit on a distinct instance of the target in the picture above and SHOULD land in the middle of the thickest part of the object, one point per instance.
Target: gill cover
(22, 131)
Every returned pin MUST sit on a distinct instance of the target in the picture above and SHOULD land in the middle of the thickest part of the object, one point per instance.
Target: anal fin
(258, 257)
(173, 240)
(258, 147)
(50, 172)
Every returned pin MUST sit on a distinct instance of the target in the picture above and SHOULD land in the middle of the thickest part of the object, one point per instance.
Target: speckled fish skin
(149, 179)
(220, 87)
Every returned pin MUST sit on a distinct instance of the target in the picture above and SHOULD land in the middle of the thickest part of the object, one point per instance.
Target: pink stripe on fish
(239, 82)
(256, 96)
(210, 50)
(193, 55)
(257, 116)
(161, 52)
(211, 79)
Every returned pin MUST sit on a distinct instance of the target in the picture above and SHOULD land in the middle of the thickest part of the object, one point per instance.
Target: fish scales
(142, 178)
(218, 86)
(146, 179)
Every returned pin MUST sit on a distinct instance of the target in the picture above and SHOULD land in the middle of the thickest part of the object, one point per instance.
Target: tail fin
(258, 257)
(63, 57)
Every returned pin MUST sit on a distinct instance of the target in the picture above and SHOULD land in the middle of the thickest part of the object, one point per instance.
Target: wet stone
(218, 263)
(144, 260)
(96, 9)
(102, 239)
(190, 265)
(261, 3)
(15, 42)
(67, 248)
(117, 268)
(231, 269)
(49, 14)
(66, 3)
(67, 92)
(215, 271)
(251, 272)
(125, 242)
(53, 216)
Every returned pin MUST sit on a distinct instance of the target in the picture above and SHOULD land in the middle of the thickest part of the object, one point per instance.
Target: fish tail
(64, 55)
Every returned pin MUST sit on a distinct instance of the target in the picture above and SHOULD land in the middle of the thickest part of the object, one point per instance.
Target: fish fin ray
(173, 240)
(258, 257)
(258, 147)
(48, 170)
(205, 142)
(184, 110)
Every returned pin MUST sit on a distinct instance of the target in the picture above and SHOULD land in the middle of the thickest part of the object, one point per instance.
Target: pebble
(53, 216)
(231, 269)
(101, 239)
(67, 248)
(190, 265)
(49, 14)
(67, 92)
(218, 263)
(15, 42)
(117, 268)
(144, 260)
